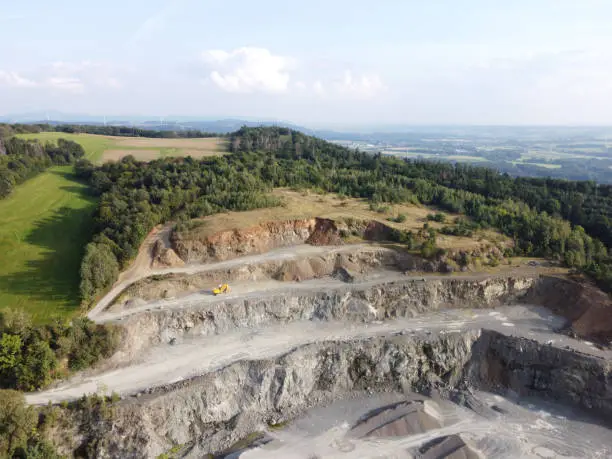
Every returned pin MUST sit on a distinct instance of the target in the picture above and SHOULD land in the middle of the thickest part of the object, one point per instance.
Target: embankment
(211, 412)
(192, 248)
(587, 309)
(359, 302)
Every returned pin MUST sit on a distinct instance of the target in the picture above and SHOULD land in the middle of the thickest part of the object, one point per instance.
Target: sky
(320, 63)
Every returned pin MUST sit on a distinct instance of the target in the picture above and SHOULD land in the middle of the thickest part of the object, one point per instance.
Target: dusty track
(141, 268)
(165, 364)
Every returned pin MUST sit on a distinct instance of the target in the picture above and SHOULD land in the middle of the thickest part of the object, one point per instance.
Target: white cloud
(247, 70)
(364, 86)
(15, 80)
(74, 77)
(150, 27)
(68, 84)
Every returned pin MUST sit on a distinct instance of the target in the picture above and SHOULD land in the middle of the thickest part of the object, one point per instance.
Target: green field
(94, 145)
(46, 223)
(44, 227)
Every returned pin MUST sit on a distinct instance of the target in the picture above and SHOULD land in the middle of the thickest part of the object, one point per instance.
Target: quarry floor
(495, 427)
(516, 428)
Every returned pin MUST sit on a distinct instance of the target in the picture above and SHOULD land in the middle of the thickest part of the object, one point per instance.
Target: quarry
(334, 341)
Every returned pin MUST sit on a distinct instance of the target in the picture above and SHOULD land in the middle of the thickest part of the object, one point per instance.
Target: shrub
(90, 342)
(99, 269)
(29, 354)
(17, 421)
(437, 217)
(399, 218)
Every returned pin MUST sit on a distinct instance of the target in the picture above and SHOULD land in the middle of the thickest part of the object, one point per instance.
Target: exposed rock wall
(232, 243)
(354, 261)
(353, 303)
(214, 411)
(267, 236)
(529, 368)
(587, 309)
(211, 412)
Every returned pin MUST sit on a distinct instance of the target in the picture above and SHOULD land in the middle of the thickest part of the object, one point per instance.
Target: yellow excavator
(221, 288)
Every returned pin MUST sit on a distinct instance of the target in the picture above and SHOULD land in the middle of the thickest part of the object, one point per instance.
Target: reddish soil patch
(377, 231)
(587, 308)
(325, 233)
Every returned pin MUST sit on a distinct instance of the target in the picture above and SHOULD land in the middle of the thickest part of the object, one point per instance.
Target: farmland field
(146, 149)
(105, 148)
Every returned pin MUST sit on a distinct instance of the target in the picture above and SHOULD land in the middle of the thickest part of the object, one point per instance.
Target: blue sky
(315, 62)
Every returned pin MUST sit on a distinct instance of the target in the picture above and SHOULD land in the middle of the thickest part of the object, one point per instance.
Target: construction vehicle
(221, 288)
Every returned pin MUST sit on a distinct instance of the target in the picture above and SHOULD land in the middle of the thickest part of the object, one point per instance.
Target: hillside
(318, 242)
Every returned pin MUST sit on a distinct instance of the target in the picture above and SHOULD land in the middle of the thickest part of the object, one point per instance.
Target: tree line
(135, 196)
(117, 131)
(22, 159)
(33, 355)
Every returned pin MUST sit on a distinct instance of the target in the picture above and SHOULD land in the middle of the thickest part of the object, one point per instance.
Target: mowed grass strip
(44, 227)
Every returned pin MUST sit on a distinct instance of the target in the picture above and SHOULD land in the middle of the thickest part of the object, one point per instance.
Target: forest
(23, 159)
(117, 131)
(545, 217)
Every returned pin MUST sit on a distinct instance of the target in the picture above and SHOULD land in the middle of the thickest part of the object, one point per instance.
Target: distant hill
(177, 123)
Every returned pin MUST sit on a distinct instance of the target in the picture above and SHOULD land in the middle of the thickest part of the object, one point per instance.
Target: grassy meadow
(44, 227)
(46, 223)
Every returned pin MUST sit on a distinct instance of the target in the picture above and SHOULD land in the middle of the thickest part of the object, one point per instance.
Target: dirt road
(250, 289)
(140, 270)
(166, 363)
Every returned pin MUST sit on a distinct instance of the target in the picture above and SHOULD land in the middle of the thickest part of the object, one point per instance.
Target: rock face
(233, 243)
(533, 369)
(214, 411)
(588, 309)
(355, 261)
(325, 233)
(350, 303)
(267, 236)
(164, 257)
(211, 412)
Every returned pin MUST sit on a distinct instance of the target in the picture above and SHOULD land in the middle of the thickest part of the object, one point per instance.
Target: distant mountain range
(175, 123)
(371, 134)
